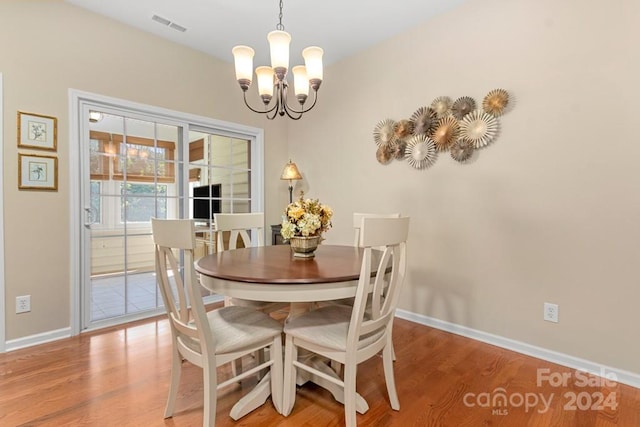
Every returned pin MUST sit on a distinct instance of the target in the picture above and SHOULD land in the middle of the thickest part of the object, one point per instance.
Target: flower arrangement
(306, 218)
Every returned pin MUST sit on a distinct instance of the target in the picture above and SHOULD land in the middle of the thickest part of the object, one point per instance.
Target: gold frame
(25, 175)
(44, 126)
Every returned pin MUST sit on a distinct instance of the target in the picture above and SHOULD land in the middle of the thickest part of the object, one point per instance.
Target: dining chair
(209, 339)
(345, 334)
(357, 224)
(239, 226)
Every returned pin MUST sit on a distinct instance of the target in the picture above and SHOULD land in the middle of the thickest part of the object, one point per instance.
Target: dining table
(274, 274)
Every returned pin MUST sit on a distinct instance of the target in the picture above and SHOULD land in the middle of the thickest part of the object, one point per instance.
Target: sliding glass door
(136, 166)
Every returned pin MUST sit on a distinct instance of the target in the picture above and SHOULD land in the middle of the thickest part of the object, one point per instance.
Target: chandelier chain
(280, 26)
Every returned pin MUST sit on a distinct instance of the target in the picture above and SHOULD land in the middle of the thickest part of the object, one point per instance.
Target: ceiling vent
(166, 22)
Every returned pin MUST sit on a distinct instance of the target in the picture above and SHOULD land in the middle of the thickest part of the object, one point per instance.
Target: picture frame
(37, 172)
(37, 131)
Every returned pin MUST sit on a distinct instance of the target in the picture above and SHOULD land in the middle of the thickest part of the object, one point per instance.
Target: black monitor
(206, 201)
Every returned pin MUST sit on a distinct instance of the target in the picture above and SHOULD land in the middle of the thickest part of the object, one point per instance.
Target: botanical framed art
(37, 172)
(37, 131)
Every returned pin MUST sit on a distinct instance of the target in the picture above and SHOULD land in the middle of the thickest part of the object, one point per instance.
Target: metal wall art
(445, 125)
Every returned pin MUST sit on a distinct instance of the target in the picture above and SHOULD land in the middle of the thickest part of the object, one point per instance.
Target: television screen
(206, 201)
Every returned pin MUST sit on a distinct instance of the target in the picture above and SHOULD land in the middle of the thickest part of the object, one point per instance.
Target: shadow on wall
(443, 297)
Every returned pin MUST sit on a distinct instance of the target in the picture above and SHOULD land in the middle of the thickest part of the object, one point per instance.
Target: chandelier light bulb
(300, 83)
(279, 45)
(265, 83)
(313, 61)
(243, 58)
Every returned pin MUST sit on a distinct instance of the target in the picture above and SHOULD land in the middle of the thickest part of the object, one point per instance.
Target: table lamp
(291, 173)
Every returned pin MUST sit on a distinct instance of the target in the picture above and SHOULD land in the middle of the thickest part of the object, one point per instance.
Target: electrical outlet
(550, 312)
(23, 304)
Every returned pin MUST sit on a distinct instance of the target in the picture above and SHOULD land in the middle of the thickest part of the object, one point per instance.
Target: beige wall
(48, 47)
(546, 213)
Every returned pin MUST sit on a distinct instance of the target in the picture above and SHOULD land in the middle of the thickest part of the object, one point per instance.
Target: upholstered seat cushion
(328, 327)
(236, 328)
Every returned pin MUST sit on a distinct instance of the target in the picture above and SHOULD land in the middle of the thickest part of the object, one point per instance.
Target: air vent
(168, 23)
(161, 20)
(177, 27)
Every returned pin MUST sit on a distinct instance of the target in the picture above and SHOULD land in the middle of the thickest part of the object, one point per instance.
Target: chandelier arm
(304, 110)
(253, 109)
(298, 117)
(275, 110)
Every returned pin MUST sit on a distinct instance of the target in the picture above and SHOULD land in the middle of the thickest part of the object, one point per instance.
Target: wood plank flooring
(120, 377)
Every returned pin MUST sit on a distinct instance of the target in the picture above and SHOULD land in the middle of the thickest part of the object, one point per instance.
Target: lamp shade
(243, 58)
(300, 80)
(265, 80)
(279, 46)
(291, 171)
(313, 62)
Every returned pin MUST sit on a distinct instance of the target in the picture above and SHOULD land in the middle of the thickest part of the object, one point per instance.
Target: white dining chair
(210, 339)
(357, 224)
(345, 334)
(239, 226)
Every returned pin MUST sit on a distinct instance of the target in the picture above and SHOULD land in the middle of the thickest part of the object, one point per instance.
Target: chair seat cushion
(328, 327)
(236, 328)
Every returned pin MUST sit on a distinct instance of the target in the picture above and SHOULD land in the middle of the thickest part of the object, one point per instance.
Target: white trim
(58, 334)
(3, 296)
(622, 376)
(77, 99)
(74, 213)
(41, 338)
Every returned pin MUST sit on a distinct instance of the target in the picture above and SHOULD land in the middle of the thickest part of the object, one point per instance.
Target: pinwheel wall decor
(457, 126)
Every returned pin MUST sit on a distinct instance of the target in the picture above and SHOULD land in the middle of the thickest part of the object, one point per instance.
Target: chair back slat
(390, 236)
(239, 225)
(357, 222)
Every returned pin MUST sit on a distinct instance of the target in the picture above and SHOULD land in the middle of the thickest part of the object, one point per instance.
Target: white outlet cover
(550, 313)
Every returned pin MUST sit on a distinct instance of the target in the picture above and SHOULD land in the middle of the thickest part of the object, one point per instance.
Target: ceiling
(341, 27)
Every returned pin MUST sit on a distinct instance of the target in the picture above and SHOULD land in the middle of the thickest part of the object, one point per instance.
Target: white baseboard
(621, 376)
(37, 339)
(49, 336)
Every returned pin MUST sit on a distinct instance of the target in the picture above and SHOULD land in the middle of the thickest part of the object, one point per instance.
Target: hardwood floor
(120, 377)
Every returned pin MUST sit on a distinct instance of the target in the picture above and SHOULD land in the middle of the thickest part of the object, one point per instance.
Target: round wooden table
(272, 273)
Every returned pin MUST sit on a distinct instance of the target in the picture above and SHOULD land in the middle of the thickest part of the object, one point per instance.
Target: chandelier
(304, 76)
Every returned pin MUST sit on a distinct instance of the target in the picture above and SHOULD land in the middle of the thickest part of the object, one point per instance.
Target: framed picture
(37, 131)
(37, 172)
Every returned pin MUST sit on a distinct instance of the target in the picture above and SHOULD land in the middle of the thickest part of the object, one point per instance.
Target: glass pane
(107, 297)
(95, 215)
(220, 149)
(241, 206)
(142, 291)
(241, 184)
(137, 164)
(173, 207)
(141, 202)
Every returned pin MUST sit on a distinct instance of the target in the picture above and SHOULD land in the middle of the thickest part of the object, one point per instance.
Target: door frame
(78, 100)
(3, 300)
